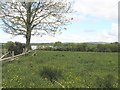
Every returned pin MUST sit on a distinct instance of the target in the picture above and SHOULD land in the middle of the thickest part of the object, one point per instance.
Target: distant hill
(98, 42)
(71, 42)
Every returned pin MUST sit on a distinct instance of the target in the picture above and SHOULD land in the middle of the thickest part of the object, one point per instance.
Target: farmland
(62, 69)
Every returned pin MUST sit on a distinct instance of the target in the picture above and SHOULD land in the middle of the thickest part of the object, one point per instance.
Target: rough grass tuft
(106, 82)
(51, 73)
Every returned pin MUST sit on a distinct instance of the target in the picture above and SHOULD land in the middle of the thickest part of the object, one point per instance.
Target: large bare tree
(34, 18)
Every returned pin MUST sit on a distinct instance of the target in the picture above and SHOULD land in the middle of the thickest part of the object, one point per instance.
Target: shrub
(17, 47)
(9, 44)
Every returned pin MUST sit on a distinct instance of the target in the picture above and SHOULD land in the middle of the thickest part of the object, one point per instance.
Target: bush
(17, 47)
(9, 44)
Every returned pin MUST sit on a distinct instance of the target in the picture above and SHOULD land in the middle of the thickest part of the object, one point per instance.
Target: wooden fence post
(23, 50)
(2, 50)
(12, 53)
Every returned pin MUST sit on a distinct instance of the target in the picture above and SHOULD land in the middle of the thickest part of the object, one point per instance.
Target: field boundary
(4, 55)
(13, 57)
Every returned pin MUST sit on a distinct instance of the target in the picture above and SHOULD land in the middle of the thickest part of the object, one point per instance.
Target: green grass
(70, 69)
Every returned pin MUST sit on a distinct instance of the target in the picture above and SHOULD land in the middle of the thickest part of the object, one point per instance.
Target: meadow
(62, 69)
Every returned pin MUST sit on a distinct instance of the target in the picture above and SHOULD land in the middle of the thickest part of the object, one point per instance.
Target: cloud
(114, 30)
(77, 18)
(98, 8)
(97, 36)
(89, 35)
(89, 30)
(109, 35)
(62, 38)
(4, 37)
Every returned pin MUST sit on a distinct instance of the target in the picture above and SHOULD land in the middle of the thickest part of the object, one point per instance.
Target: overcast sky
(94, 21)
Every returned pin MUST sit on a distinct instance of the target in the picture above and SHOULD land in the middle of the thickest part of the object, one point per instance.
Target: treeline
(18, 47)
(83, 47)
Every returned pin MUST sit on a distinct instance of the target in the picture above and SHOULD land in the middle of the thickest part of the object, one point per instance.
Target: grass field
(56, 69)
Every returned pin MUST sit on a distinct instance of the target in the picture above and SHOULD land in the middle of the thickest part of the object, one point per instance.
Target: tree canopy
(35, 18)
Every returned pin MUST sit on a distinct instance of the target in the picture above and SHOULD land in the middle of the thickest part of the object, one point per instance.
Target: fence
(13, 57)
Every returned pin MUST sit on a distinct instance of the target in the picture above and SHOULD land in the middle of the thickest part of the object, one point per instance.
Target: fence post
(2, 50)
(12, 53)
(23, 50)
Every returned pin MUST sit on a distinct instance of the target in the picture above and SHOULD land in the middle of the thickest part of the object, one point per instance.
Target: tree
(82, 47)
(35, 18)
(17, 47)
(58, 44)
(8, 44)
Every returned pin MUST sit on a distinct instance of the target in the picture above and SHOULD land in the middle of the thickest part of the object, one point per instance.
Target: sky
(93, 21)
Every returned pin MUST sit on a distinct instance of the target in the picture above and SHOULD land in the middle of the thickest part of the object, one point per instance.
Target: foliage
(57, 43)
(84, 47)
(17, 47)
(78, 69)
(8, 44)
(34, 18)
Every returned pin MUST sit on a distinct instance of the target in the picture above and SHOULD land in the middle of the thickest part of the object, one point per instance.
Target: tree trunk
(28, 38)
(28, 24)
